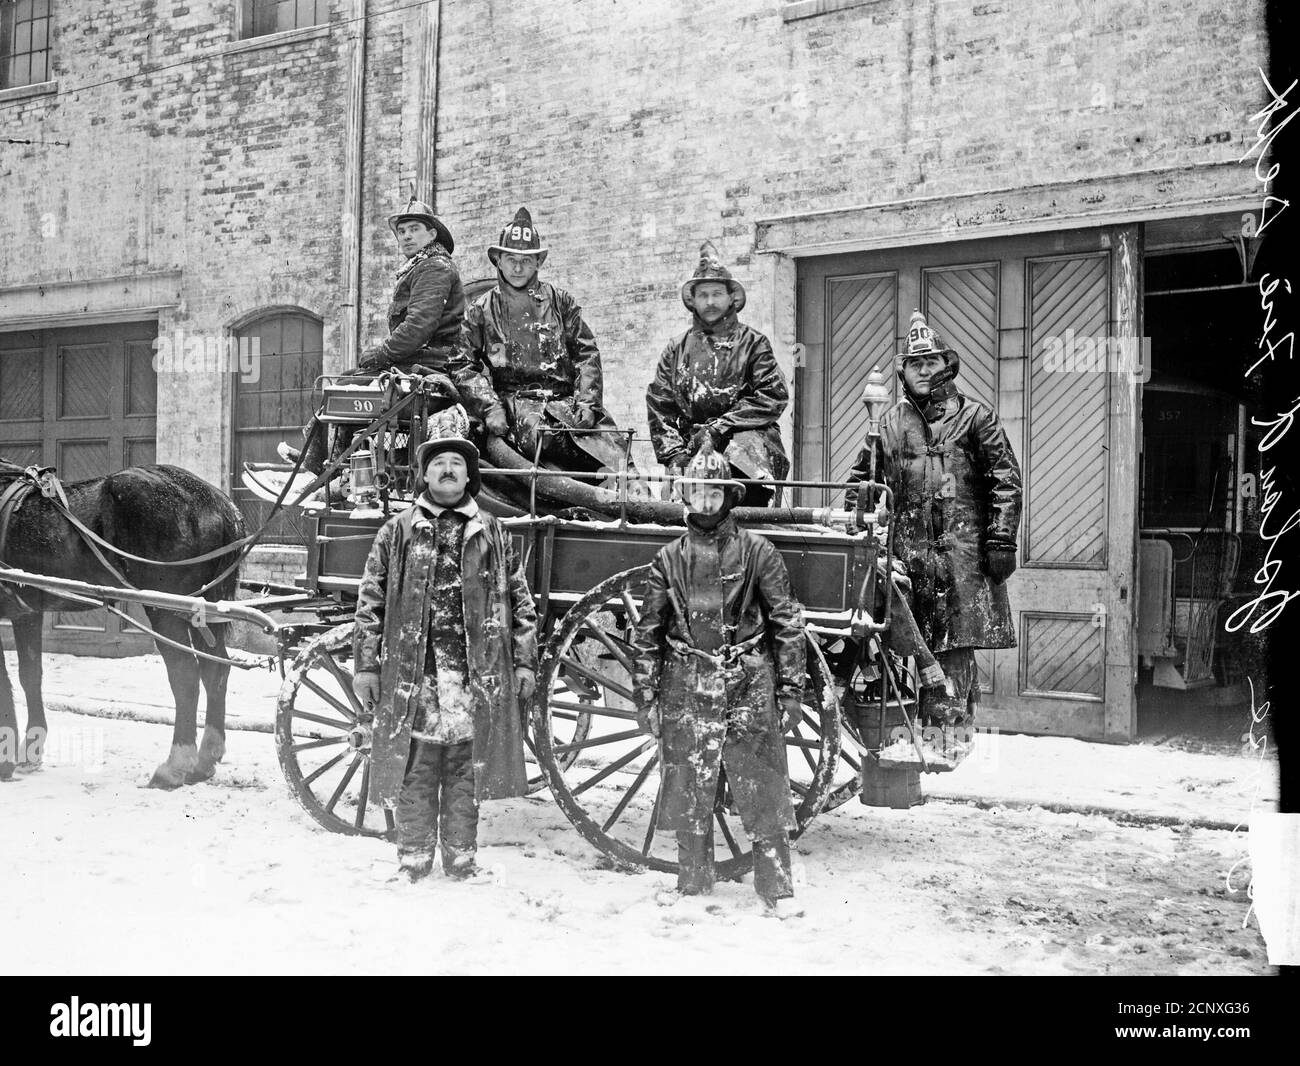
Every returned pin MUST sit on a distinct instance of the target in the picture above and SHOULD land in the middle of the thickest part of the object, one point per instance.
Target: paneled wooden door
(1001, 304)
(85, 401)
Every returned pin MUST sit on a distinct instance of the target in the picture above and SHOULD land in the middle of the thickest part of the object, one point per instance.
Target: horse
(162, 513)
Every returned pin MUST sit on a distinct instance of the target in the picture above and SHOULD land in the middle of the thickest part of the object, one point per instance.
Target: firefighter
(424, 321)
(957, 497)
(719, 382)
(445, 647)
(718, 672)
(528, 339)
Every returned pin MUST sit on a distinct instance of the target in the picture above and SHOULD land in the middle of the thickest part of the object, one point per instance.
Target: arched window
(272, 404)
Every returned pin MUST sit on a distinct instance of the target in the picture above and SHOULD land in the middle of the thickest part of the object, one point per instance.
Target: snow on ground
(103, 876)
(1145, 780)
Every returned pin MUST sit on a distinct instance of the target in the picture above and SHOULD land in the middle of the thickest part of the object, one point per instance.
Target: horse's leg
(8, 722)
(27, 640)
(183, 673)
(212, 749)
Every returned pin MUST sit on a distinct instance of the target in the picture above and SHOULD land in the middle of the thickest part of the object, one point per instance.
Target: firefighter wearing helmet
(528, 338)
(719, 382)
(424, 325)
(718, 671)
(957, 498)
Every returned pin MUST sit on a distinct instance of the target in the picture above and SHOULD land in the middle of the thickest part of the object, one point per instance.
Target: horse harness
(26, 480)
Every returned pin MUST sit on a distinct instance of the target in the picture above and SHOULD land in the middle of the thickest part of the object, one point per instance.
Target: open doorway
(1199, 529)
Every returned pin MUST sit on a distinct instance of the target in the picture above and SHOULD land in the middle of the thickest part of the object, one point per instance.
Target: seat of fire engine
(392, 411)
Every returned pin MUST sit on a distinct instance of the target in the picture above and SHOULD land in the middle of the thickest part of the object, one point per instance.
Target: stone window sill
(272, 40)
(803, 9)
(21, 92)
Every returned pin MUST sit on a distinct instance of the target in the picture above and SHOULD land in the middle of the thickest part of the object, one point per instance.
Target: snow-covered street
(104, 876)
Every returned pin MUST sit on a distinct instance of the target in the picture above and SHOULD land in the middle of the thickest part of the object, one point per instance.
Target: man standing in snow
(719, 647)
(956, 487)
(445, 650)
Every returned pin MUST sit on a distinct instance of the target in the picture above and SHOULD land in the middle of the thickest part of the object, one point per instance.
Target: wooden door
(1001, 304)
(85, 401)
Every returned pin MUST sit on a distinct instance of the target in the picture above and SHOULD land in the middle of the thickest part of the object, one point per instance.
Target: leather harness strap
(10, 500)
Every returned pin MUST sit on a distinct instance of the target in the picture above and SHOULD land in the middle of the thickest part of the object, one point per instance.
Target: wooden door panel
(861, 316)
(22, 452)
(1061, 654)
(1065, 505)
(961, 304)
(79, 460)
(85, 401)
(21, 385)
(141, 394)
(85, 381)
(998, 302)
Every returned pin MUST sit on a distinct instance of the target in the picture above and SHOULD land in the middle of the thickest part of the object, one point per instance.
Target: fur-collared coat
(392, 639)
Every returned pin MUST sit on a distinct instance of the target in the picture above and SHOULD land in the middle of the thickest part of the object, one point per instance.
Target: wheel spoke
(335, 722)
(802, 742)
(329, 698)
(726, 834)
(803, 750)
(651, 763)
(603, 637)
(345, 682)
(803, 790)
(364, 801)
(567, 715)
(597, 677)
(609, 738)
(307, 745)
(390, 822)
(593, 708)
(654, 819)
(325, 766)
(347, 777)
(633, 611)
(613, 767)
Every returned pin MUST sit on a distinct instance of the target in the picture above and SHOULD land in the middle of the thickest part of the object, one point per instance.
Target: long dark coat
(707, 591)
(957, 494)
(727, 377)
(392, 638)
(535, 341)
(424, 319)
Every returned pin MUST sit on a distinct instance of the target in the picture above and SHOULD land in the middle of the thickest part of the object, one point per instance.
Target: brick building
(195, 172)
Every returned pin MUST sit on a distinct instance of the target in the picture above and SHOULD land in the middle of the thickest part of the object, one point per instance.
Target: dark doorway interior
(1197, 514)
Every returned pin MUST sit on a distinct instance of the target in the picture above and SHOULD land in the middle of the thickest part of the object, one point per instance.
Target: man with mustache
(445, 648)
(719, 382)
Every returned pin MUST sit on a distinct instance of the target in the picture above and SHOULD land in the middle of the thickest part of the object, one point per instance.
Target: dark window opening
(275, 16)
(24, 42)
(287, 351)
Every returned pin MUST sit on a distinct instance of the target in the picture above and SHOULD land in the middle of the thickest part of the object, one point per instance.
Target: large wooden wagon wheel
(323, 739)
(610, 790)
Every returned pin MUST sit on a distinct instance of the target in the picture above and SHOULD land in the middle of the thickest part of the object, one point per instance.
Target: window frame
(246, 19)
(9, 24)
(246, 326)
